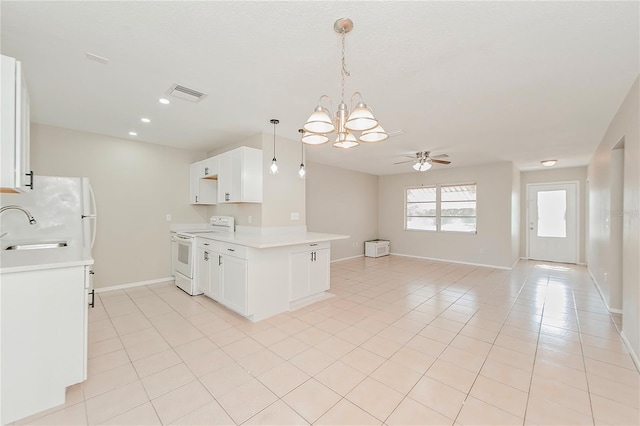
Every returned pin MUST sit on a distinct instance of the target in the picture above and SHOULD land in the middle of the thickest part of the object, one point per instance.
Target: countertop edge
(277, 241)
(44, 266)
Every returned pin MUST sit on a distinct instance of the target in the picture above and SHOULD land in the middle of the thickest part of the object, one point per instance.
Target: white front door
(553, 222)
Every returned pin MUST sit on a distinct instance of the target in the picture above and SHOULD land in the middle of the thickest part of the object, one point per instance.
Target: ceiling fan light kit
(361, 119)
(422, 166)
(423, 160)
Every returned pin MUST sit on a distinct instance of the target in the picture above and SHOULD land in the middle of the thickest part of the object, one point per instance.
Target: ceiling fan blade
(440, 156)
(408, 161)
(440, 161)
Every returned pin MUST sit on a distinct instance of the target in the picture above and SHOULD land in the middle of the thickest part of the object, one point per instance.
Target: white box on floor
(376, 248)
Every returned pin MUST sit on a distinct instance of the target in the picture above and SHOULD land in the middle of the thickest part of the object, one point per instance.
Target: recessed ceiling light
(548, 163)
(164, 101)
(145, 120)
(133, 133)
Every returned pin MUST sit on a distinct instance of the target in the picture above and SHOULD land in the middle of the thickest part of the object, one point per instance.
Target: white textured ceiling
(481, 81)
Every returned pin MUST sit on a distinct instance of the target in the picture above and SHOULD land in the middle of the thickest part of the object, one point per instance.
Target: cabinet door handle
(230, 249)
(30, 184)
(93, 298)
(315, 256)
(206, 255)
(196, 198)
(205, 244)
(206, 171)
(219, 259)
(227, 196)
(313, 245)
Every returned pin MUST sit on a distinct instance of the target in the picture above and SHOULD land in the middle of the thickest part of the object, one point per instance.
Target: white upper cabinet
(240, 176)
(231, 177)
(15, 171)
(208, 169)
(203, 182)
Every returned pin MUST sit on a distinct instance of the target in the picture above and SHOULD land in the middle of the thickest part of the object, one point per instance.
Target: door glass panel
(552, 214)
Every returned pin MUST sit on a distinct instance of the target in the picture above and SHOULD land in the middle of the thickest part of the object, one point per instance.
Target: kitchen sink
(36, 246)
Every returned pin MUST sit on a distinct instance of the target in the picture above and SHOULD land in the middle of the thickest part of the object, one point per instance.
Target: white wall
(136, 184)
(494, 243)
(285, 192)
(625, 126)
(565, 174)
(516, 212)
(343, 202)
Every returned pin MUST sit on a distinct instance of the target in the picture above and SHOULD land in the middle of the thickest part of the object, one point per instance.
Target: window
(421, 208)
(450, 208)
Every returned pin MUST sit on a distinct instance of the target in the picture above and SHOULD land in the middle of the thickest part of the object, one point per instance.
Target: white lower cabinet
(258, 283)
(44, 338)
(309, 270)
(234, 283)
(207, 274)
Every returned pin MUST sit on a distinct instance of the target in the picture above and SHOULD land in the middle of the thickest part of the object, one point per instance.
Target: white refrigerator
(64, 209)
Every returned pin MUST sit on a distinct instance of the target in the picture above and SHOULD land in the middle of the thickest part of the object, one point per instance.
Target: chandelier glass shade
(344, 122)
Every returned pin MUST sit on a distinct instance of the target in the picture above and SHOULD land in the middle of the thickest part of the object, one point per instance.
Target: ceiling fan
(423, 160)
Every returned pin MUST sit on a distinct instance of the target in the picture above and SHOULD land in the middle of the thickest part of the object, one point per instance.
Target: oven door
(183, 262)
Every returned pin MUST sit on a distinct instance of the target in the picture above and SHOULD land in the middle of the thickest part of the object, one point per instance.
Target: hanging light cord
(274, 138)
(344, 71)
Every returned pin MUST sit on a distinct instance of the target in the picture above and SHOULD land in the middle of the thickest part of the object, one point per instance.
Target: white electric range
(183, 253)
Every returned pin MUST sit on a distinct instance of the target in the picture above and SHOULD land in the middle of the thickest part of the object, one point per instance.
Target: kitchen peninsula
(261, 274)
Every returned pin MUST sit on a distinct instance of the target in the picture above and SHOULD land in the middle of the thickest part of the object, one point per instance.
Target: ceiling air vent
(186, 93)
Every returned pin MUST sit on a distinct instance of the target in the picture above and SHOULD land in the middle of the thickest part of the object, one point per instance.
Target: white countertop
(38, 259)
(269, 240)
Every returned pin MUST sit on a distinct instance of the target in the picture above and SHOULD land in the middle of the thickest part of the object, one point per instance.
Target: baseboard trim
(347, 258)
(506, 268)
(634, 356)
(132, 285)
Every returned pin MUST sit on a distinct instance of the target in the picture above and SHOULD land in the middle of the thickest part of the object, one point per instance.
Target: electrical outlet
(168, 218)
(249, 219)
(295, 216)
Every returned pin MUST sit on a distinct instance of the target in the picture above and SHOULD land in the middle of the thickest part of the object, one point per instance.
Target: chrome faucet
(32, 220)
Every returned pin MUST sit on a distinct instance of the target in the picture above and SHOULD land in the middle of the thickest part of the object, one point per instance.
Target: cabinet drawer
(233, 250)
(207, 244)
(310, 247)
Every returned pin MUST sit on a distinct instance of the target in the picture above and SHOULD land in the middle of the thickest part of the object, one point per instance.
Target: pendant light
(360, 119)
(302, 172)
(274, 163)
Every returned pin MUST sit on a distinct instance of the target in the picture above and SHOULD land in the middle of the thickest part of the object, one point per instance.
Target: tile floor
(404, 341)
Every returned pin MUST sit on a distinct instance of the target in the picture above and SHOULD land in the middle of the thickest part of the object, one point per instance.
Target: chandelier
(361, 119)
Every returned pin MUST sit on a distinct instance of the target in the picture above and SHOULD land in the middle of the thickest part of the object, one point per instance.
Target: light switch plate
(295, 216)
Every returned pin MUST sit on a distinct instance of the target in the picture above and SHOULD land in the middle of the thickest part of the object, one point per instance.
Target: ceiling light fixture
(548, 163)
(302, 172)
(422, 166)
(164, 101)
(361, 119)
(274, 163)
(132, 133)
(145, 120)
